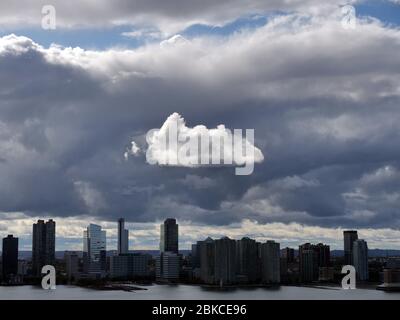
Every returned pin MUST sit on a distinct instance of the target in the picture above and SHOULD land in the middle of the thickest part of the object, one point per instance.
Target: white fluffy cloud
(176, 40)
(133, 150)
(178, 151)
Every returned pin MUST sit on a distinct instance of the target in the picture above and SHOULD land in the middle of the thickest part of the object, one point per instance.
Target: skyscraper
(169, 236)
(247, 259)
(195, 253)
(94, 249)
(311, 258)
(307, 263)
(225, 261)
(288, 254)
(360, 259)
(270, 262)
(206, 251)
(323, 253)
(349, 237)
(123, 237)
(10, 257)
(43, 245)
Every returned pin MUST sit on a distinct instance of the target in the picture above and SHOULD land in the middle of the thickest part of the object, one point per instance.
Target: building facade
(71, 259)
(168, 266)
(130, 266)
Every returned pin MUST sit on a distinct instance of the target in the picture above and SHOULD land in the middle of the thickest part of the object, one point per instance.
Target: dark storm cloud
(324, 107)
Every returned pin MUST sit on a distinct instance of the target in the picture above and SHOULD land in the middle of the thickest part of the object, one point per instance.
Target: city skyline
(160, 229)
(220, 262)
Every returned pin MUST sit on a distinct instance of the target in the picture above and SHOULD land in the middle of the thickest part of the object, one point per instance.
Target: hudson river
(169, 292)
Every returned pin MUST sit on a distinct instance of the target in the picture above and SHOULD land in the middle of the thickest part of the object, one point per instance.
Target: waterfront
(187, 292)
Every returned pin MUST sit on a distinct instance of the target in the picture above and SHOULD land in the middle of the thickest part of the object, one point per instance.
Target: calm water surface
(170, 292)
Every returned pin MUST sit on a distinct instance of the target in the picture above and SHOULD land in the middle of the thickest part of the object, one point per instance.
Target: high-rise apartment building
(225, 261)
(288, 254)
(247, 259)
(323, 253)
(311, 258)
(206, 251)
(9, 257)
(43, 245)
(270, 262)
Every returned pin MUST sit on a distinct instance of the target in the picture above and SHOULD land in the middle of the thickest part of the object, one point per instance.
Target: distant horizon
(69, 233)
(374, 253)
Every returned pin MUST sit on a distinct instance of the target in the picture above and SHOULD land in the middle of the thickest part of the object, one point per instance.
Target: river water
(177, 292)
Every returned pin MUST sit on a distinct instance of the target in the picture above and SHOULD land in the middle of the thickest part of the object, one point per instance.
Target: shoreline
(131, 287)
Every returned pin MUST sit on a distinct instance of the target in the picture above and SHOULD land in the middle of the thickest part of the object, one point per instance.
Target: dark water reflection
(167, 292)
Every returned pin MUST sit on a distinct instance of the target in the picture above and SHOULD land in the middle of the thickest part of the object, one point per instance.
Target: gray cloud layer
(324, 103)
(167, 16)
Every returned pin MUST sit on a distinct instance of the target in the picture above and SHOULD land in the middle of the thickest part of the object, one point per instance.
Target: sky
(321, 95)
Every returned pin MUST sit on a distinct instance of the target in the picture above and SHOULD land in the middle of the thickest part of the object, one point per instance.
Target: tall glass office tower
(360, 259)
(94, 248)
(349, 237)
(169, 236)
(123, 237)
